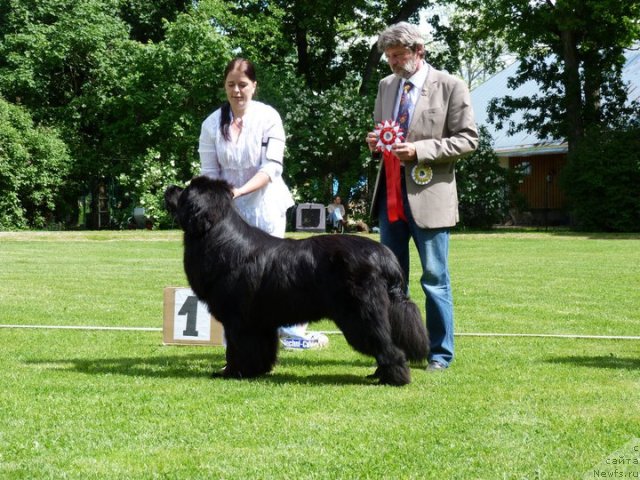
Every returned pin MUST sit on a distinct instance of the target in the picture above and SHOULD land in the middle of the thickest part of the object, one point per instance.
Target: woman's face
(239, 88)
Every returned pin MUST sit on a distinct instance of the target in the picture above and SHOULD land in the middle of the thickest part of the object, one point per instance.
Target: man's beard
(406, 70)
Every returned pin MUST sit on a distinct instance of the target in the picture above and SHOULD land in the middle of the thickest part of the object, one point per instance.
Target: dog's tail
(408, 331)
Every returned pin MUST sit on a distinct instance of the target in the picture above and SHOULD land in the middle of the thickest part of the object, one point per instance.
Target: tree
(461, 45)
(574, 50)
(130, 111)
(54, 54)
(147, 19)
(602, 181)
(152, 114)
(34, 163)
(128, 83)
(483, 186)
(326, 151)
(53, 50)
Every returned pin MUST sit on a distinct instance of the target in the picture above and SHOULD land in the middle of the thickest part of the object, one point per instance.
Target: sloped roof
(523, 143)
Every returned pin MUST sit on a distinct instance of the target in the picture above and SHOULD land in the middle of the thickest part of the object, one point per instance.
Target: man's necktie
(395, 207)
(405, 106)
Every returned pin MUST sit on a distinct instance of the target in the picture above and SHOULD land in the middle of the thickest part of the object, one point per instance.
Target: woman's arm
(258, 181)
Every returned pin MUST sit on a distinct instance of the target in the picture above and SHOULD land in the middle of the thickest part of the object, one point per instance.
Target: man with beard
(415, 196)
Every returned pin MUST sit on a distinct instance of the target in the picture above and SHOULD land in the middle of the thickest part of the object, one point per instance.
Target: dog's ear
(203, 204)
(197, 213)
(171, 195)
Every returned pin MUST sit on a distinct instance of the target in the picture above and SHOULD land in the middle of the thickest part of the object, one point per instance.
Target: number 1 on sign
(191, 317)
(190, 309)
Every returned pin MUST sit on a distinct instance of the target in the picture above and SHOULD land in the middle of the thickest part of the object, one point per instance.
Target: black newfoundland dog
(253, 283)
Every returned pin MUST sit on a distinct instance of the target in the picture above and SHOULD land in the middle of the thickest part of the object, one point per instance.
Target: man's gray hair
(400, 34)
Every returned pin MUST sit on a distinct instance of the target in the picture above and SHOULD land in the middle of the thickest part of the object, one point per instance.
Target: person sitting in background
(336, 213)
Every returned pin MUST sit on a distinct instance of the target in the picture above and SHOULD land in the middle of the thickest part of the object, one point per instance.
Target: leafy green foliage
(573, 50)
(147, 19)
(483, 186)
(326, 151)
(34, 163)
(601, 179)
(252, 28)
(164, 92)
(53, 51)
(127, 83)
(55, 59)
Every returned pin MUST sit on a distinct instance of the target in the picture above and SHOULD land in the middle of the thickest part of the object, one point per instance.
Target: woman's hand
(258, 181)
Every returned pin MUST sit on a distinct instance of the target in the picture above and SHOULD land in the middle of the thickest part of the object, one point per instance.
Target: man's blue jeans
(433, 248)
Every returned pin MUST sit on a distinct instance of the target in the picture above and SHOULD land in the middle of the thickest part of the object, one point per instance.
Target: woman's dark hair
(246, 67)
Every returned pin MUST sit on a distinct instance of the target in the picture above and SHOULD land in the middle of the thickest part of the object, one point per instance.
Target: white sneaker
(309, 341)
(298, 330)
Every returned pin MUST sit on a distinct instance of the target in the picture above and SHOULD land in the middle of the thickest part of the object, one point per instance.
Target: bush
(34, 163)
(601, 180)
(483, 186)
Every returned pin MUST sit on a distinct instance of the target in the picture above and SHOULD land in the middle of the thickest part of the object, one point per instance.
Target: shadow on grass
(201, 365)
(602, 361)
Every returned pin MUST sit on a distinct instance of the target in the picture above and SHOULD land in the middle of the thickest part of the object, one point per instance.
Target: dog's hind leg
(392, 368)
(250, 354)
(369, 332)
(408, 330)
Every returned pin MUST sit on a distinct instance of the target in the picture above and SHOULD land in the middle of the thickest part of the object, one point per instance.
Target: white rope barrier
(540, 335)
(82, 327)
(550, 335)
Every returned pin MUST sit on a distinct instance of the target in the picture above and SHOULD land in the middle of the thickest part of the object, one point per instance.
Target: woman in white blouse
(243, 143)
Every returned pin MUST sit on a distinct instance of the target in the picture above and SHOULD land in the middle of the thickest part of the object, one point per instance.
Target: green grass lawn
(118, 404)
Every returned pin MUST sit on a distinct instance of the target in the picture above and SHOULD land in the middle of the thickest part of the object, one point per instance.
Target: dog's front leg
(249, 353)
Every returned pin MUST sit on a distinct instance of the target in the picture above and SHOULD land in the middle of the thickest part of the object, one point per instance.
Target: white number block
(187, 320)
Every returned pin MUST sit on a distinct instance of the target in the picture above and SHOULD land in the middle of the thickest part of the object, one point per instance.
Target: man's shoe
(435, 366)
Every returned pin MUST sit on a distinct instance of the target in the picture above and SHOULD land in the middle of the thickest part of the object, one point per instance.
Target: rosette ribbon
(390, 133)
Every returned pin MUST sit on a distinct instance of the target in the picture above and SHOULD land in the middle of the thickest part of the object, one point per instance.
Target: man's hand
(405, 151)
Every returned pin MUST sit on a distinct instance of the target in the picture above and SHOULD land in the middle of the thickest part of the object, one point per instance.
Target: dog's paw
(375, 375)
(396, 375)
(225, 372)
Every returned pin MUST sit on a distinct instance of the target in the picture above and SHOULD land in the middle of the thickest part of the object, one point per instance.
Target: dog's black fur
(253, 283)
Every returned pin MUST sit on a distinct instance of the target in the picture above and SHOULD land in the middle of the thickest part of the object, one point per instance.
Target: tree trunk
(575, 127)
(302, 46)
(592, 86)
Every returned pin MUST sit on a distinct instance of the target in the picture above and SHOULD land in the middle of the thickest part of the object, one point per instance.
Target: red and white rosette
(389, 133)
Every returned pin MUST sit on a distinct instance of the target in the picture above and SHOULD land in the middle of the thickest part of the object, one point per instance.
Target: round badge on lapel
(421, 174)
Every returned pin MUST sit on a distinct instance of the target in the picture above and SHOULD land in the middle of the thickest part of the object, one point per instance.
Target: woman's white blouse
(259, 148)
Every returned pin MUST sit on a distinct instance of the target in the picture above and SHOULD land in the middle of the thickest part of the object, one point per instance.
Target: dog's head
(199, 206)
